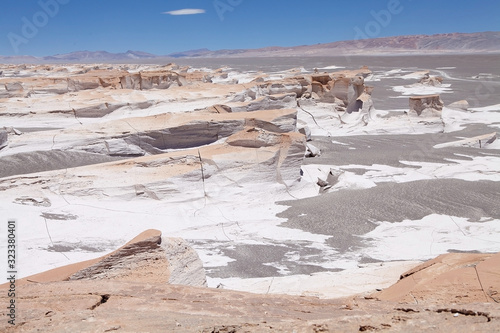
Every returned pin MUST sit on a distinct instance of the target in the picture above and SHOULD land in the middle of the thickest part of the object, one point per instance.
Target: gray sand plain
(39, 161)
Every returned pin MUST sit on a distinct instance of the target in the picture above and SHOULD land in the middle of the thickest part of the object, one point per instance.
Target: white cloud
(186, 11)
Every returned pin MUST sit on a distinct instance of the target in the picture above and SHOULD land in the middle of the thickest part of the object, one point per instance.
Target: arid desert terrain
(298, 194)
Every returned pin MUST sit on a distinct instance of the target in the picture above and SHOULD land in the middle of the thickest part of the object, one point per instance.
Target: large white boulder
(184, 264)
(462, 105)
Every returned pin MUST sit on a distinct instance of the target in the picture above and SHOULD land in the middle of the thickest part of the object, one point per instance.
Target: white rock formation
(461, 105)
(480, 141)
(312, 151)
(184, 264)
(155, 134)
(428, 80)
(304, 129)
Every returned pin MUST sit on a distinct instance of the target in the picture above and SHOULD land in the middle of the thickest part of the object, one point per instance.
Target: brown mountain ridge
(479, 42)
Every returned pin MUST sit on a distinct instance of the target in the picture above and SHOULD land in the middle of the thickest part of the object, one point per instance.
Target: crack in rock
(466, 313)
(104, 299)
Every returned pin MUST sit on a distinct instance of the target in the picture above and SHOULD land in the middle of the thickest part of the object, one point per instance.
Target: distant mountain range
(480, 42)
(88, 55)
(82, 57)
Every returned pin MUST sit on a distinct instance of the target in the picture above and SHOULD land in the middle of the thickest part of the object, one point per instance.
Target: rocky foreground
(156, 284)
(93, 155)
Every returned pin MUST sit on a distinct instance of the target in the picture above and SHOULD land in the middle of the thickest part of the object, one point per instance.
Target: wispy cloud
(186, 11)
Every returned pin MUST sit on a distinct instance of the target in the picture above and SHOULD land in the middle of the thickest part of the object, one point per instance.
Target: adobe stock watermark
(223, 6)
(483, 91)
(11, 270)
(31, 27)
(381, 19)
(373, 28)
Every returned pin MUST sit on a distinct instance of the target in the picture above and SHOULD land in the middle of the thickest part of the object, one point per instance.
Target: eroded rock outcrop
(40, 82)
(152, 80)
(266, 141)
(345, 89)
(149, 257)
(83, 83)
(296, 86)
(450, 278)
(184, 265)
(428, 80)
(428, 105)
(155, 134)
(123, 261)
(254, 138)
(282, 153)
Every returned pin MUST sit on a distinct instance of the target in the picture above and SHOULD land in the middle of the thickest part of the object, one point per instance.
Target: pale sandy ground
(139, 307)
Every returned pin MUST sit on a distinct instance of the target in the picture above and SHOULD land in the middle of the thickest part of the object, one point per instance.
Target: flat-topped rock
(480, 141)
(426, 105)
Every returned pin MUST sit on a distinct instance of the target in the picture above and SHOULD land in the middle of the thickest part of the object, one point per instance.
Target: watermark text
(11, 271)
(223, 6)
(31, 26)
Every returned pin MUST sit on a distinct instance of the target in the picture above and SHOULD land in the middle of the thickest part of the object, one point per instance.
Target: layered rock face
(157, 134)
(460, 278)
(277, 156)
(344, 88)
(94, 78)
(108, 128)
(149, 257)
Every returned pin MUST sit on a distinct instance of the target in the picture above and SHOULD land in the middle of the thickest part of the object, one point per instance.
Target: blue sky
(47, 27)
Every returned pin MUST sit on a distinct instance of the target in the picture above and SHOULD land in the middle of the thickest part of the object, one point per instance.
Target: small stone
(462, 105)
